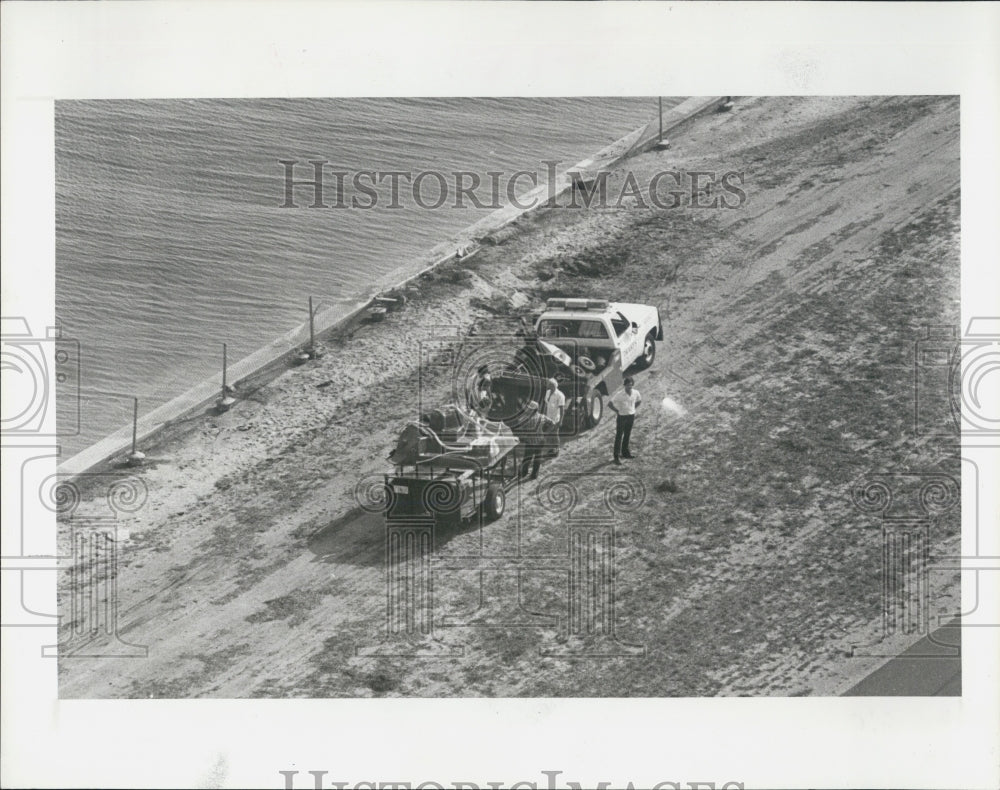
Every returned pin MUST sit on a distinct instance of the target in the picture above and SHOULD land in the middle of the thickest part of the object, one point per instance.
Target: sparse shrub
(667, 486)
(722, 380)
(597, 262)
(794, 444)
(496, 304)
(454, 273)
(381, 681)
(560, 289)
(670, 272)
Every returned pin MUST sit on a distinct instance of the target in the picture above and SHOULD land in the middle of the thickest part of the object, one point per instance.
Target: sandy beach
(790, 318)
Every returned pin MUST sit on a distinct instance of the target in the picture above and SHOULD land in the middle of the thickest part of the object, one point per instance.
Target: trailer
(454, 479)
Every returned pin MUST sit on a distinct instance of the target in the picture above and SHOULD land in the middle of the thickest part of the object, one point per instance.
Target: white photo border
(54, 51)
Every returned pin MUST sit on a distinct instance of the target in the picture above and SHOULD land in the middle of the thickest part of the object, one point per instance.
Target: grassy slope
(748, 563)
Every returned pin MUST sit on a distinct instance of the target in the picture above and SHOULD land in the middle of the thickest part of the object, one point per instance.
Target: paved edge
(931, 667)
(279, 351)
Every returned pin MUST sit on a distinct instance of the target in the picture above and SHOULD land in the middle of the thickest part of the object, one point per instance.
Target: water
(170, 236)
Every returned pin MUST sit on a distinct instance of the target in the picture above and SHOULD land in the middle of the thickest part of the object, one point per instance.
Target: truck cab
(586, 345)
(593, 329)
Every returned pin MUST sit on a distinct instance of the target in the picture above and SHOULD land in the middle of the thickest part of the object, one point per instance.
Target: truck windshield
(620, 323)
(565, 327)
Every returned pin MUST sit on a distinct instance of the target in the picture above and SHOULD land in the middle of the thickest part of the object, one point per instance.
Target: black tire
(586, 363)
(495, 502)
(593, 409)
(648, 351)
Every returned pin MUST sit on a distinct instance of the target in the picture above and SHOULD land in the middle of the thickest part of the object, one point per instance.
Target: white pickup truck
(591, 330)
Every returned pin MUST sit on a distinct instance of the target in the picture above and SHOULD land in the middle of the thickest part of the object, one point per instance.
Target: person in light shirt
(624, 403)
(554, 404)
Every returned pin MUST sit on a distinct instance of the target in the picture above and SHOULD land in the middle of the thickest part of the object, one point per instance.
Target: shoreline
(273, 357)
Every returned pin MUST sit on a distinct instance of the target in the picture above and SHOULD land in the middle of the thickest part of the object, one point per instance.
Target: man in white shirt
(624, 403)
(554, 404)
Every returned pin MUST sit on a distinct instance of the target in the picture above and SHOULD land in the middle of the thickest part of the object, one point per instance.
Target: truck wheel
(595, 409)
(495, 502)
(648, 351)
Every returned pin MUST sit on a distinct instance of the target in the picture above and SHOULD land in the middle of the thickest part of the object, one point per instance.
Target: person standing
(529, 431)
(624, 403)
(554, 404)
(553, 411)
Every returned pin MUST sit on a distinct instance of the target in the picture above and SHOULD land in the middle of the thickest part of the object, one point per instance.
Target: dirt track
(790, 325)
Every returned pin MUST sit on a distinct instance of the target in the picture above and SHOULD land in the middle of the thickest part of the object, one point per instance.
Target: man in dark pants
(624, 403)
(529, 431)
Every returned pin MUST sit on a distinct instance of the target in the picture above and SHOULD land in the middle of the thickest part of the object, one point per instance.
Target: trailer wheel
(495, 502)
(594, 409)
(648, 351)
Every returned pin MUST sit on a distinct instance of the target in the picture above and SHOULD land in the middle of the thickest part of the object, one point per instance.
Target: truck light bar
(559, 303)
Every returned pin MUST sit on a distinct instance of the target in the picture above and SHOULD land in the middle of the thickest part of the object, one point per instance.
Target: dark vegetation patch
(509, 645)
(653, 250)
(294, 607)
(190, 684)
(724, 379)
(496, 304)
(335, 671)
(382, 680)
(838, 139)
(455, 272)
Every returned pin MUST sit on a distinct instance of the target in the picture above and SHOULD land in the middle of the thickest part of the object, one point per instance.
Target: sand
(785, 377)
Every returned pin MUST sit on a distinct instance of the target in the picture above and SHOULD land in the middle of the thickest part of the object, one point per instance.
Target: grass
(294, 608)
(191, 683)
(496, 304)
(454, 273)
(382, 681)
